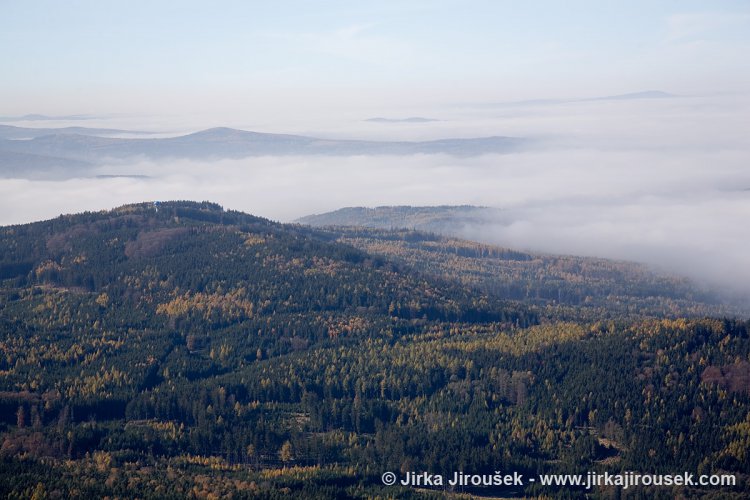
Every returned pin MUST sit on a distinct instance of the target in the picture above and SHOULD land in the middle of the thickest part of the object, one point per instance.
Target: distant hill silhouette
(93, 146)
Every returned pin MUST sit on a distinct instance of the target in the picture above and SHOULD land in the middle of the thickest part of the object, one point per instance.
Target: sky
(661, 181)
(297, 58)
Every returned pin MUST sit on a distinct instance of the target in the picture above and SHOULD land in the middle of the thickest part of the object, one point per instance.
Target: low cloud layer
(664, 182)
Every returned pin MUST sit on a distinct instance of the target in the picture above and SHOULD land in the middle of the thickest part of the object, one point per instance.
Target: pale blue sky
(123, 56)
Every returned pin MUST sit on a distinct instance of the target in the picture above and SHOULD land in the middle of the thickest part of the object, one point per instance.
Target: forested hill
(447, 219)
(183, 256)
(563, 286)
(177, 350)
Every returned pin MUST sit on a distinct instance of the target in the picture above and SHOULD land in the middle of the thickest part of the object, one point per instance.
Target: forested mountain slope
(177, 350)
(562, 286)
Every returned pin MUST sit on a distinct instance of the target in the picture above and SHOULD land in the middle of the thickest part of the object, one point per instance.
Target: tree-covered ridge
(446, 219)
(562, 285)
(136, 252)
(180, 350)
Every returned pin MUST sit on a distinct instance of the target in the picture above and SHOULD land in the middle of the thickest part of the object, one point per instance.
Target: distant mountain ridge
(83, 145)
(445, 219)
(13, 133)
(32, 166)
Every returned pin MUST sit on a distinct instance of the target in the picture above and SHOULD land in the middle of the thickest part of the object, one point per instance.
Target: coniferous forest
(179, 350)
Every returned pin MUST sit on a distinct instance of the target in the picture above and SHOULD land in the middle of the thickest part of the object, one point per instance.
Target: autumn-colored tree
(286, 452)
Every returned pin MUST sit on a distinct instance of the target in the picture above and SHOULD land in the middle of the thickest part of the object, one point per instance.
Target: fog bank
(664, 182)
